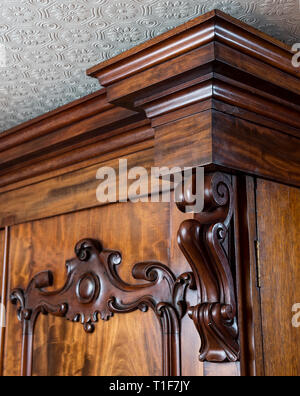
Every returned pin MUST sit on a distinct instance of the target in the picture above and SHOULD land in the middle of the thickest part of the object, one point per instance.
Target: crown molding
(212, 92)
(212, 88)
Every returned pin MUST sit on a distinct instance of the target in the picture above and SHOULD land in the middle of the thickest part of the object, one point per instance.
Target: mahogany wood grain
(2, 248)
(4, 252)
(201, 30)
(91, 160)
(191, 366)
(247, 147)
(204, 241)
(97, 147)
(249, 308)
(255, 118)
(190, 343)
(128, 345)
(222, 370)
(179, 74)
(66, 193)
(278, 216)
(93, 126)
(191, 137)
(127, 227)
(213, 92)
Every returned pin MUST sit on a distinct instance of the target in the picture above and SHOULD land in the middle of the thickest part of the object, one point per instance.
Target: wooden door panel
(2, 241)
(3, 285)
(278, 212)
(127, 345)
(47, 244)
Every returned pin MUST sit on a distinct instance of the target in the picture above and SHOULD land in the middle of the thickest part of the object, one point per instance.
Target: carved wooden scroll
(94, 289)
(202, 240)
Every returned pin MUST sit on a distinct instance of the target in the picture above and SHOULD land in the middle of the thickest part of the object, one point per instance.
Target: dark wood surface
(248, 292)
(246, 147)
(278, 215)
(47, 244)
(190, 136)
(2, 245)
(203, 242)
(140, 239)
(164, 81)
(213, 92)
(95, 291)
(4, 242)
(63, 194)
(145, 55)
(190, 342)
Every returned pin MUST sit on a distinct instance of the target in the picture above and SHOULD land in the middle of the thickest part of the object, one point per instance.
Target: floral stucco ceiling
(49, 44)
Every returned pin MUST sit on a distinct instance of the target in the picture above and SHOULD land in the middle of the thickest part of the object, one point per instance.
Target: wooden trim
(214, 25)
(249, 309)
(72, 191)
(4, 292)
(212, 62)
(109, 143)
(53, 120)
(255, 150)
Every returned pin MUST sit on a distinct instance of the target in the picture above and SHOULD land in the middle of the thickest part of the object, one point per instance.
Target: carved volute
(202, 241)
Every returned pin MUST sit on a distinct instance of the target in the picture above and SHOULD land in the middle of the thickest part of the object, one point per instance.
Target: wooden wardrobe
(193, 294)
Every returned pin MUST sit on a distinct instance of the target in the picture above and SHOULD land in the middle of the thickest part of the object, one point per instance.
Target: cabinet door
(2, 247)
(278, 217)
(2, 295)
(128, 344)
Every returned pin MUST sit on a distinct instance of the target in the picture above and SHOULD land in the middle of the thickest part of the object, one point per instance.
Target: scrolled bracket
(202, 241)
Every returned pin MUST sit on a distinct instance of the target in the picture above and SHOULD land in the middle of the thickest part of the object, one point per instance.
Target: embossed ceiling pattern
(49, 44)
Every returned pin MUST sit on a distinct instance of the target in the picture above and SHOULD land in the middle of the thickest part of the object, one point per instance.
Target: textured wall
(49, 44)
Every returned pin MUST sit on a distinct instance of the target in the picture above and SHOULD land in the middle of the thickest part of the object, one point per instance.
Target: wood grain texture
(184, 143)
(191, 366)
(129, 345)
(92, 157)
(253, 149)
(190, 344)
(199, 31)
(60, 157)
(249, 307)
(166, 82)
(53, 120)
(217, 93)
(3, 283)
(46, 244)
(222, 370)
(2, 247)
(95, 291)
(204, 242)
(66, 193)
(278, 214)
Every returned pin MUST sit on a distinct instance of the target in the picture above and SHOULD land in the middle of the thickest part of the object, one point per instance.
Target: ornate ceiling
(49, 44)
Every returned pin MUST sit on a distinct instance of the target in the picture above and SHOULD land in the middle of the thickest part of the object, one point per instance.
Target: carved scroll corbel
(94, 289)
(202, 241)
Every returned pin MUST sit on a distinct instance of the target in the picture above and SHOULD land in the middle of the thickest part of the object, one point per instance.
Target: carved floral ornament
(94, 289)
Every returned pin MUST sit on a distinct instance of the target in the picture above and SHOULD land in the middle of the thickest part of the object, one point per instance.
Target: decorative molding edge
(202, 241)
(93, 288)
